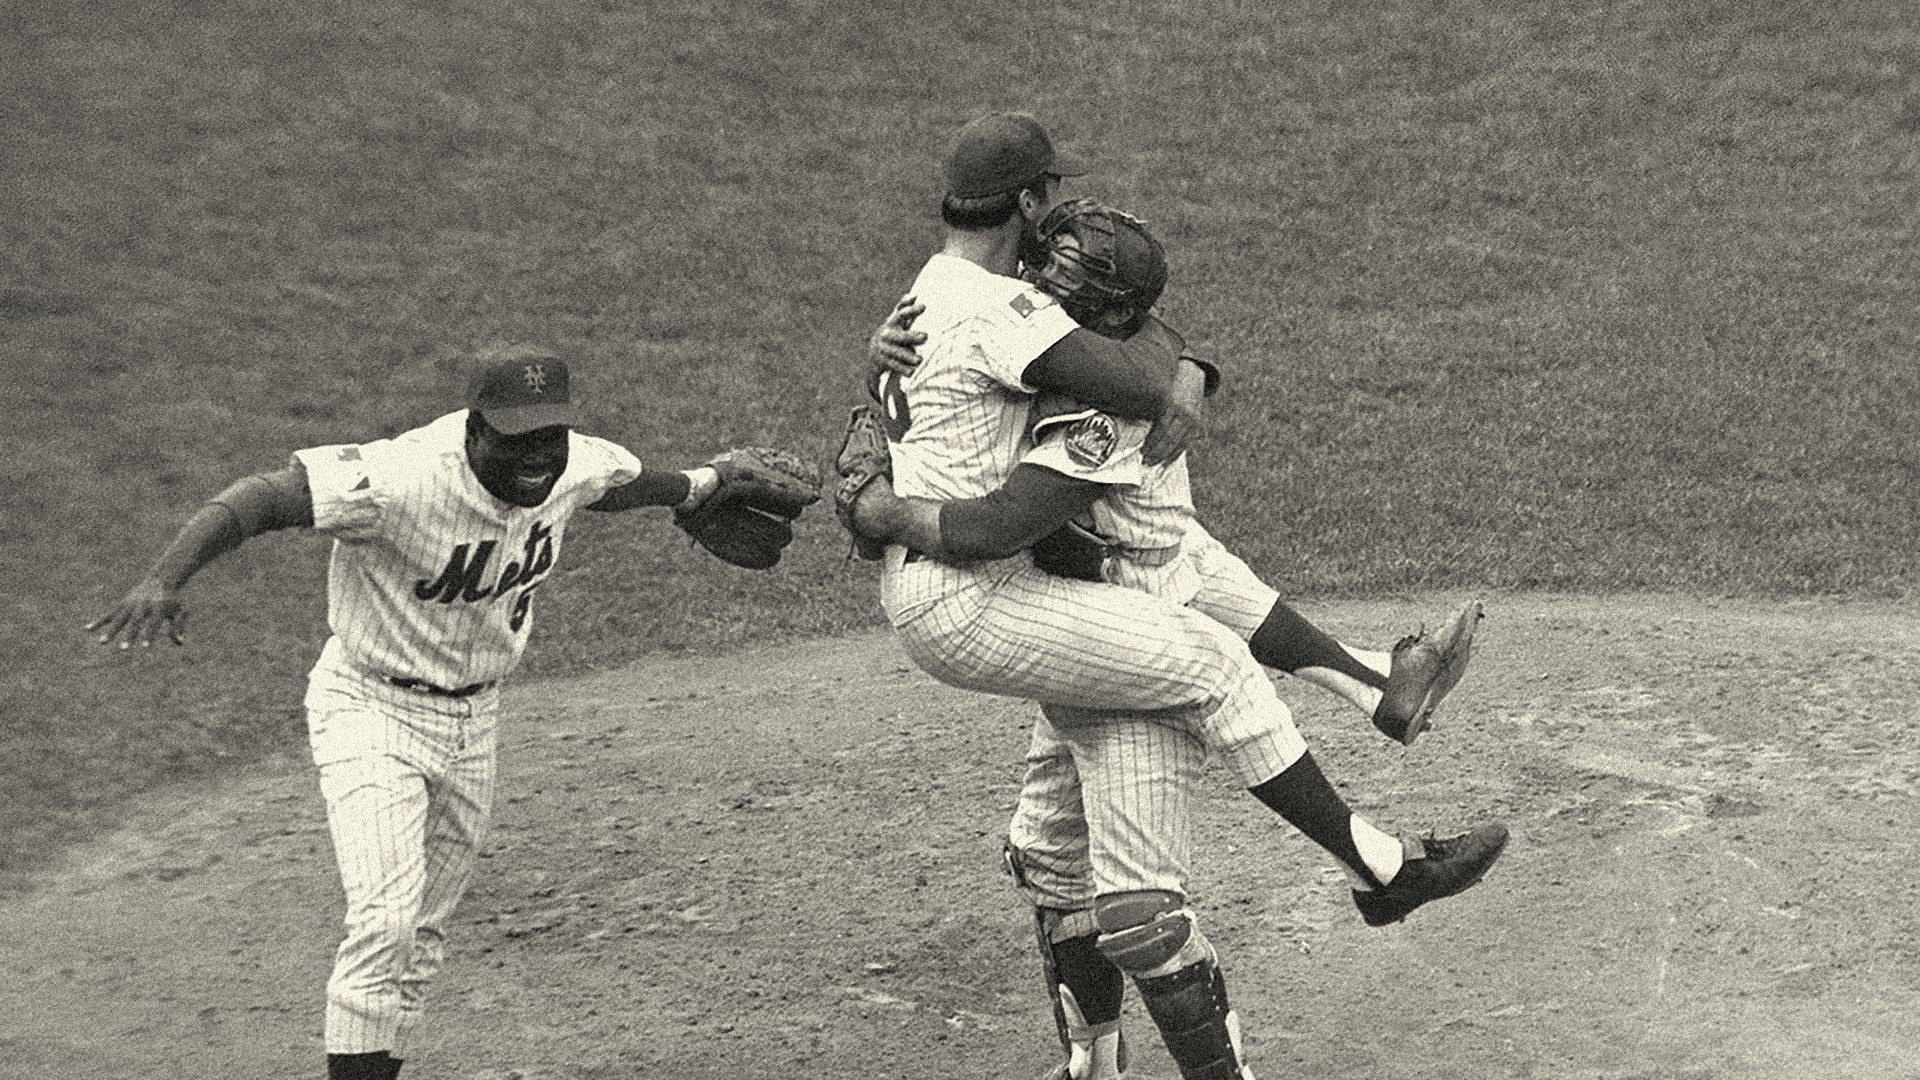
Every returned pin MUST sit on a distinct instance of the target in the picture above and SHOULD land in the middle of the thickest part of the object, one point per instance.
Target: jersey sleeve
(602, 465)
(1090, 445)
(1010, 335)
(348, 497)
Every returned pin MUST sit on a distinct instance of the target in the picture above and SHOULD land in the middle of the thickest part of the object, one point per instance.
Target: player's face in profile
(518, 469)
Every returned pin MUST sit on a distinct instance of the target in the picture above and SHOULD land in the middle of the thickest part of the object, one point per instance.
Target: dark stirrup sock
(1306, 799)
(1288, 642)
(378, 1065)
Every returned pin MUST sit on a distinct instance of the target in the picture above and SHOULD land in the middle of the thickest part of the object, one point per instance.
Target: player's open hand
(147, 609)
(1181, 424)
(895, 346)
(1177, 429)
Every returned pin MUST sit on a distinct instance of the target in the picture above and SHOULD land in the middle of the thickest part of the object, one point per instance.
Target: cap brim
(1068, 165)
(525, 418)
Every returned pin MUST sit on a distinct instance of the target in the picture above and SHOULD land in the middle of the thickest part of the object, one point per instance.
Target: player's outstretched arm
(739, 506)
(660, 488)
(251, 505)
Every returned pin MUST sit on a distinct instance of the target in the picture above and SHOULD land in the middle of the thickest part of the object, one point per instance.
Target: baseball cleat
(1435, 868)
(1424, 671)
(1455, 644)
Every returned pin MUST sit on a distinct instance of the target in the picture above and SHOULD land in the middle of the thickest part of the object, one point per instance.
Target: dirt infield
(785, 864)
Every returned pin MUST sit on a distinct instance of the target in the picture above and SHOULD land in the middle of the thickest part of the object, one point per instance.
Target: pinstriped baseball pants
(408, 780)
(1104, 807)
(1104, 651)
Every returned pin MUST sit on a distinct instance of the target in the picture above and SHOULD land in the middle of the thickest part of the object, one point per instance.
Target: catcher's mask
(1100, 260)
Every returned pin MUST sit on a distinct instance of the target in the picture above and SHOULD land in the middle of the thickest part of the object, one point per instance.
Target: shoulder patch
(1021, 306)
(1090, 442)
(349, 453)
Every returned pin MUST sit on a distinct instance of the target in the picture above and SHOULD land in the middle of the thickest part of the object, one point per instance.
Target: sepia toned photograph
(804, 540)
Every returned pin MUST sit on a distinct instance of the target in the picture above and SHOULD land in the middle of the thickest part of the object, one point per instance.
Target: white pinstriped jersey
(958, 423)
(431, 577)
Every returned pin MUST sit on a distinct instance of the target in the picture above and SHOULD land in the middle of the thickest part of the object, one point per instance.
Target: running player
(972, 611)
(441, 537)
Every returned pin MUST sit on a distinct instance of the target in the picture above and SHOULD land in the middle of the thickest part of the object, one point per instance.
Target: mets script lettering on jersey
(422, 550)
(461, 578)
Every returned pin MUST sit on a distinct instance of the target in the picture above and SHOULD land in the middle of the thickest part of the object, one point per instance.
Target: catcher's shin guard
(1200, 1029)
(1152, 937)
(1086, 990)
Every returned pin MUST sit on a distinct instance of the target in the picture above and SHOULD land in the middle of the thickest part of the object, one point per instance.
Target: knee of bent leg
(1149, 933)
(381, 927)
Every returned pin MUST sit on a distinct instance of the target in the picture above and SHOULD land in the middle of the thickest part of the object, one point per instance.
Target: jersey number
(889, 393)
(522, 604)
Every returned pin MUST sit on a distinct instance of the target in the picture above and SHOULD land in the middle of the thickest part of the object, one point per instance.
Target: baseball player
(974, 612)
(1108, 270)
(1124, 838)
(442, 536)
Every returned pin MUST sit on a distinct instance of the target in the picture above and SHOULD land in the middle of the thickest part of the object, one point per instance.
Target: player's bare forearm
(153, 604)
(249, 506)
(889, 518)
(651, 488)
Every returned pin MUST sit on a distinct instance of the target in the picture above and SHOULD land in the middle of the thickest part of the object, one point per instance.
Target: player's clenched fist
(146, 609)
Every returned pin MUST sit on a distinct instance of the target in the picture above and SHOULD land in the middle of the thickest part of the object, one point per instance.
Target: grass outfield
(1512, 296)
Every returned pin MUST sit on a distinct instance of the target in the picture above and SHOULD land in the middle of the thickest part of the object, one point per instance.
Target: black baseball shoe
(1424, 671)
(1434, 868)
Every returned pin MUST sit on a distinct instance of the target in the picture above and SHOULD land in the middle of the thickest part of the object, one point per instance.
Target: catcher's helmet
(1100, 261)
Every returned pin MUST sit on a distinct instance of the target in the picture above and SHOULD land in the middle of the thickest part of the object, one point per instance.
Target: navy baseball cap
(1003, 152)
(519, 388)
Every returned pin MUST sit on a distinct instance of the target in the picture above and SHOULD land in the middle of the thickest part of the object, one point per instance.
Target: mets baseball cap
(520, 388)
(1002, 152)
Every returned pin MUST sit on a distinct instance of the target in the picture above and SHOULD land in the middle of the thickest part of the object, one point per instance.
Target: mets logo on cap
(1090, 442)
(518, 388)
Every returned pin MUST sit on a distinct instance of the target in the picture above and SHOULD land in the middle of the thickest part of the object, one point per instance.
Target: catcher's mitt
(1103, 265)
(864, 457)
(1071, 551)
(747, 519)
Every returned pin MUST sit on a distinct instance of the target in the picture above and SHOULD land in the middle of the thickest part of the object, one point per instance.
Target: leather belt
(912, 556)
(421, 686)
(1150, 557)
